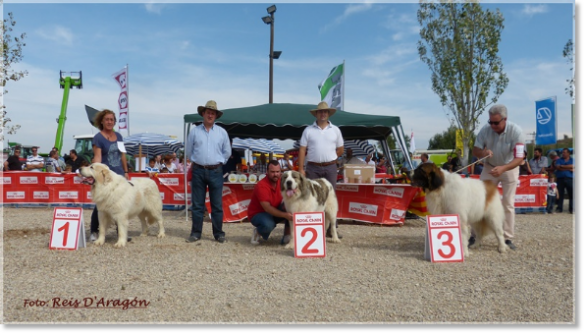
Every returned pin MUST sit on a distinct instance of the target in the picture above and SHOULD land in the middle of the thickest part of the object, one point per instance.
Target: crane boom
(65, 82)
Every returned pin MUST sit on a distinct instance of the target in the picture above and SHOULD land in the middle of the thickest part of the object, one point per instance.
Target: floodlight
(267, 20)
(272, 9)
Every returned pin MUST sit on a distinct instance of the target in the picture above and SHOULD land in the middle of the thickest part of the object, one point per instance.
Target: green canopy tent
(287, 121)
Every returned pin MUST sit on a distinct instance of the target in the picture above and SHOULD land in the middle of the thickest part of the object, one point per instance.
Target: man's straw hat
(210, 105)
(323, 106)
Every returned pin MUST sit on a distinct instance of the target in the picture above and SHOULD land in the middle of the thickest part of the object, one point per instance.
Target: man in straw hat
(323, 144)
(208, 148)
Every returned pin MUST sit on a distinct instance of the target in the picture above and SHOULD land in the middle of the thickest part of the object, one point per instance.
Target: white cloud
(531, 10)
(348, 12)
(59, 34)
(155, 8)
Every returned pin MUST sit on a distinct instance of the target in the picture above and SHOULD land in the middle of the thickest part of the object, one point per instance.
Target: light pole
(270, 19)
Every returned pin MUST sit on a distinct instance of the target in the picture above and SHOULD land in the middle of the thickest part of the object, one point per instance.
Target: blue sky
(181, 55)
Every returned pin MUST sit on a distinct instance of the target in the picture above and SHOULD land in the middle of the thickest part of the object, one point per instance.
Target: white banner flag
(412, 143)
(332, 88)
(122, 78)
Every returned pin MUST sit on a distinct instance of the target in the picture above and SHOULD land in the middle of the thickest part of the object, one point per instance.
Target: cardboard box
(359, 173)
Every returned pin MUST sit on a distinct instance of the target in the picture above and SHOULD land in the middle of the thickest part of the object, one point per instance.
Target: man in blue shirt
(564, 172)
(208, 147)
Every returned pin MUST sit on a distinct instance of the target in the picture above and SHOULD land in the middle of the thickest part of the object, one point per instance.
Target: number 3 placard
(443, 242)
(310, 240)
(67, 232)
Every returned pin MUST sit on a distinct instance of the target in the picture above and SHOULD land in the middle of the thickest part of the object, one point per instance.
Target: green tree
(568, 53)
(12, 53)
(460, 44)
(447, 140)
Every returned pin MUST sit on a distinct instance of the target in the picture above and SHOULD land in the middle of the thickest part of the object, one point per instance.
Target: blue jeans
(214, 181)
(265, 223)
(550, 203)
(565, 184)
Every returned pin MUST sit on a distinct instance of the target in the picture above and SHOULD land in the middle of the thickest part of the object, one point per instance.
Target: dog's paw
(144, 233)
(120, 244)
(99, 242)
(336, 240)
(161, 235)
(475, 245)
(503, 248)
(289, 245)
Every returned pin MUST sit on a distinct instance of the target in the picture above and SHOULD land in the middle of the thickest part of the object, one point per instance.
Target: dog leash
(481, 159)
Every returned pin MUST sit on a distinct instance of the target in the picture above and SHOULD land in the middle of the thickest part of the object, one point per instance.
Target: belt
(208, 167)
(322, 164)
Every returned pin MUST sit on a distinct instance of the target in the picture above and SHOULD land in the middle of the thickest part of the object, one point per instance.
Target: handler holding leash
(208, 147)
(325, 144)
(266, 206)
(107, 151)
(503, 142)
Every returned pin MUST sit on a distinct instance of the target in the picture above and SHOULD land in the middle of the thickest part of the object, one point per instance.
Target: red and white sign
(310, 237)
(67, 231)
(443, 241)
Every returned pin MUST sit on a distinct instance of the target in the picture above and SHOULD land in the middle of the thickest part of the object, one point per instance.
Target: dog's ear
(107, 176)
(436, 180)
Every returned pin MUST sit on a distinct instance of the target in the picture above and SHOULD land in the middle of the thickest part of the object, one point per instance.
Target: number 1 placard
(67, 231)
(310, 239)
(443, 240)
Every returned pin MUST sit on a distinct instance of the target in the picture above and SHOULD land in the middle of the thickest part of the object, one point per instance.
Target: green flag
(332, 88)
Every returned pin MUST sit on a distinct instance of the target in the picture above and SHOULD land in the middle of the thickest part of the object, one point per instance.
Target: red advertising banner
(377, 203)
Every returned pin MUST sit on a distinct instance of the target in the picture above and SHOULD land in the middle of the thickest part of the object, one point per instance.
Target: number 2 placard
(67, 232)
(310, 240)
(443, 241)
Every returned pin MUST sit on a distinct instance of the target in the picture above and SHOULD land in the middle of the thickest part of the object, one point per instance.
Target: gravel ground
(376, 275)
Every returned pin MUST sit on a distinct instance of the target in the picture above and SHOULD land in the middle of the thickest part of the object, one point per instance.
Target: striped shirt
(34, 160)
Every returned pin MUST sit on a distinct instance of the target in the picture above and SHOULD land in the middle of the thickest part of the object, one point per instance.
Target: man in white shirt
(322, 142)
(34, 162)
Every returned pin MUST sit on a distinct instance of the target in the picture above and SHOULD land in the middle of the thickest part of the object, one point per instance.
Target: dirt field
(376, 275)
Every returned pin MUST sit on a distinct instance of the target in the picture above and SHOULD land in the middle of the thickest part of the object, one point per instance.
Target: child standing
(552, 195)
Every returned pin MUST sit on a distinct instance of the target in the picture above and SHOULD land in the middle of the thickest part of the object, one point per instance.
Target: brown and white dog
(477, 202)
(301, 194)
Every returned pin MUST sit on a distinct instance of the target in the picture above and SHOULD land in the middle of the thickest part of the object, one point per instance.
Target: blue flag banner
(546, 121)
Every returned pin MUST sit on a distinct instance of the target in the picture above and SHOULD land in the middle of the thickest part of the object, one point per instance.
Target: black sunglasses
(494, 123)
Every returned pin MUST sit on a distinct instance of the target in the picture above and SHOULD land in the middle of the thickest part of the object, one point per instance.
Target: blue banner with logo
(546, 120)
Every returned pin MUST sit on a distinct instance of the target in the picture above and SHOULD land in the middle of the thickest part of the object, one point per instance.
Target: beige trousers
(508, 182)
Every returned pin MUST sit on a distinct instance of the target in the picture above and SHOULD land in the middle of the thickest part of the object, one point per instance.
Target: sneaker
(221, 239)
(255, 240)
(471, 241)
(510, 244)
(286, 239)
(93, 237)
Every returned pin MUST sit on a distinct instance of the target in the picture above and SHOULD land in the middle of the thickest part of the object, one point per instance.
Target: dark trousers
(214, 181)
(95, 224)
(550, 202)
(563, 185)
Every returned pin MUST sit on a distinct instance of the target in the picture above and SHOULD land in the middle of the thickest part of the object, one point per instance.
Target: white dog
(119, 200)
(477, 203)
(305, 195)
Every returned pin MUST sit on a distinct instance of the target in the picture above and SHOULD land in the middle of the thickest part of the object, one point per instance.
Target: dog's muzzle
(88, 181)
